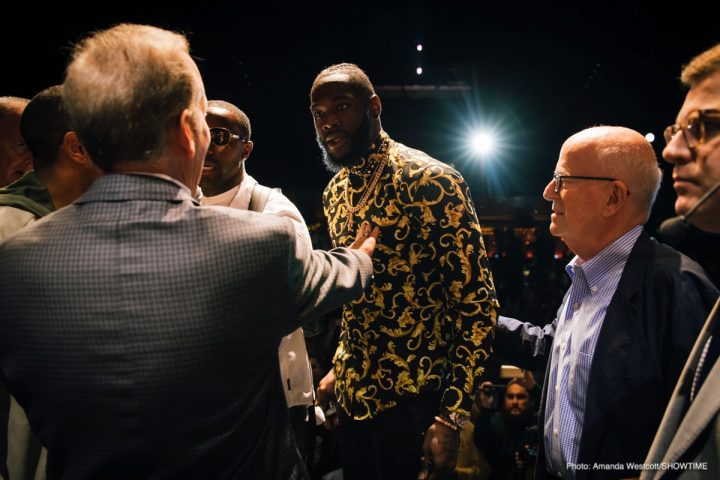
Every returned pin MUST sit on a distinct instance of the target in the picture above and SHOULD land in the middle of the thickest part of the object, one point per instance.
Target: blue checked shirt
(593, 285)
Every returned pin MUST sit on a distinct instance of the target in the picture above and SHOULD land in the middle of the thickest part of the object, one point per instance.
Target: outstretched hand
(366, 238)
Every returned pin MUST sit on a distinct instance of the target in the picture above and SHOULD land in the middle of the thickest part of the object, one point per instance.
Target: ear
(186, 135)
(375, 106)
(617, 199)
(247, 149)
(74, 149)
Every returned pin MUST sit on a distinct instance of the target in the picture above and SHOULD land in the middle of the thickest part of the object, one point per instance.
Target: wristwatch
(457, 418)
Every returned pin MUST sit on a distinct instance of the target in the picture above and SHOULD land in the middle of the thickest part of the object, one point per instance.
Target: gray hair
(124, 88)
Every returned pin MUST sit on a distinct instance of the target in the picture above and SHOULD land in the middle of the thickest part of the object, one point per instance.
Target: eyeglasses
(697, 127)
(220, 137)
(558, 180)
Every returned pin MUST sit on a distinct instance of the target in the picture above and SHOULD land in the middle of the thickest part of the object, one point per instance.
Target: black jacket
(649, 329)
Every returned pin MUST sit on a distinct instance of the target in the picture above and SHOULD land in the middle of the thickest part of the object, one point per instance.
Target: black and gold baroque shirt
(426, 324)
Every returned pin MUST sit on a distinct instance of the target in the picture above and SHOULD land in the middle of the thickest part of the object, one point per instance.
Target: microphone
(675, 229)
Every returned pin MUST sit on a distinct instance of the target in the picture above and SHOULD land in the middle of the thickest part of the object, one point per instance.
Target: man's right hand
(326, 399)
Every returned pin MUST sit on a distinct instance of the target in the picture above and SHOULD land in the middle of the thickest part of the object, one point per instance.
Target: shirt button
(593, 289)
(557, 388)
(555, 432)
(576, 306)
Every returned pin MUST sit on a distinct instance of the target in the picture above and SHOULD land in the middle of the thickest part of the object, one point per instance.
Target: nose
(28, 163)
(549, 192)
(329, 121)
(677, 151)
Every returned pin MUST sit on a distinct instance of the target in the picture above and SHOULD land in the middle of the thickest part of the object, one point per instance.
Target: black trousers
(302, 419)
(389, 446)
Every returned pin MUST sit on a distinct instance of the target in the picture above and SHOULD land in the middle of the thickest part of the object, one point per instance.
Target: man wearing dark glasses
(689, 435)
(225, 182)
(628, 322)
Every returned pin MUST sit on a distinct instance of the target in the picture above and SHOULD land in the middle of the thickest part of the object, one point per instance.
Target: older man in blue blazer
(628, 322)
(139, 329)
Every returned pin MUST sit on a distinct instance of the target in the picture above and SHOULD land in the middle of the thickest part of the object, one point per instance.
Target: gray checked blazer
(139, 330)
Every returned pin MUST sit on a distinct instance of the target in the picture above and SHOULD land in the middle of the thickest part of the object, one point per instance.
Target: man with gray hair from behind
(687, 444)
(622, 334)
(140, 329)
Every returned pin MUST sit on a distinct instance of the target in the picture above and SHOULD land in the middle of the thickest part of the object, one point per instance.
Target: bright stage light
(650, 137)
(418, 70)
(419, 48)
(482, 143)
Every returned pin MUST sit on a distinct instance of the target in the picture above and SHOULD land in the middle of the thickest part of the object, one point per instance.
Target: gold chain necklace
(351, 210)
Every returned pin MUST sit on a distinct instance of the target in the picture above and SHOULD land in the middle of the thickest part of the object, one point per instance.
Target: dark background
(537, 71)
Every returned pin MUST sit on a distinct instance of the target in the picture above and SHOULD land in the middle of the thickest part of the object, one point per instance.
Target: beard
(359, 144)
(517, 422)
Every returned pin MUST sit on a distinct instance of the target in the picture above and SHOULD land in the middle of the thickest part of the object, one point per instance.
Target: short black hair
(358, 79)
(43, 126)
(237, 115)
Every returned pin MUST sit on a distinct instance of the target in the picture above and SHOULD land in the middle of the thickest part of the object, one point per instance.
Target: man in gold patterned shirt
(412, 348)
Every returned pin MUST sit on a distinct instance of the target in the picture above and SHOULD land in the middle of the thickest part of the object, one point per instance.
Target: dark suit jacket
(649, 328)
(140, 332)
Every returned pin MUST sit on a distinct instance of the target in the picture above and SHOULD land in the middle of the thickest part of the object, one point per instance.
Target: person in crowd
(412, 348)
(63, 172)
(628, 322)
(15, 158)
(140, 329)
(690, 429)
(503, 435)
(225, 182)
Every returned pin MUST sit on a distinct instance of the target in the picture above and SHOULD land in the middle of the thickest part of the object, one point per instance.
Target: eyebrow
(340, 96)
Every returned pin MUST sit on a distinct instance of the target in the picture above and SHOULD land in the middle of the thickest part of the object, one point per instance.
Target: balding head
(15, 158)
(12, 106)
(606, 182)
(626, 155)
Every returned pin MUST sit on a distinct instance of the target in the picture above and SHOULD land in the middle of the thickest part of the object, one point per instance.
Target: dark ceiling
(538, 71)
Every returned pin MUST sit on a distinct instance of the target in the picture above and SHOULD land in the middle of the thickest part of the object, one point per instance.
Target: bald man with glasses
(626, 326)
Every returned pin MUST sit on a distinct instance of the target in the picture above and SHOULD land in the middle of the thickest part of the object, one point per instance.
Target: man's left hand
(440, 450)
